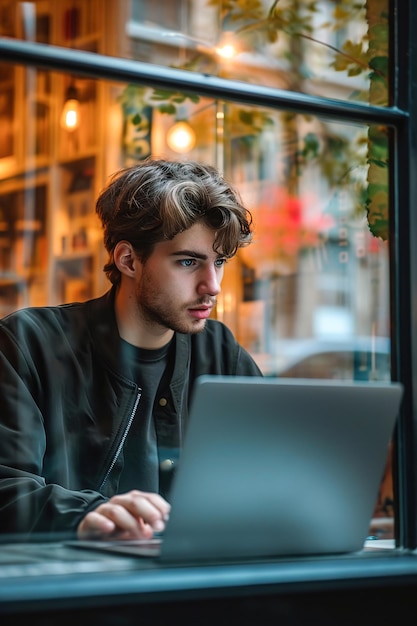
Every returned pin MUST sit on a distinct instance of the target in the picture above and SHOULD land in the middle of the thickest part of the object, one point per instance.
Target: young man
(94, 396)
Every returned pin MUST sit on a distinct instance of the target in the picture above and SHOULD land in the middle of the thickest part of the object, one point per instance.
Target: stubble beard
(158, 316)
(153, 312)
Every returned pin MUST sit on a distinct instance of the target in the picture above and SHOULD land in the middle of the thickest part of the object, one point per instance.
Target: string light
(227, 51)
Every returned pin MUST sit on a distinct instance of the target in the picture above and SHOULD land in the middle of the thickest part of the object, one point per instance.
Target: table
(52, 583)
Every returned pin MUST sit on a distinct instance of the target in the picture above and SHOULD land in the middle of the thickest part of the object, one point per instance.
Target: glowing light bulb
(181, 137)
(227, 51)
(70, 116)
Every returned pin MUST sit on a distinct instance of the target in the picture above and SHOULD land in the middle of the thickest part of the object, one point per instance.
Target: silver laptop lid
(274, 467)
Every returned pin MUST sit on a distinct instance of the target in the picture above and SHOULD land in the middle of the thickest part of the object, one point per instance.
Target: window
(305, 117)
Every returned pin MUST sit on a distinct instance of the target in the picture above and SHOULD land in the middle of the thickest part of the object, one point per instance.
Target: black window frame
(398, 116)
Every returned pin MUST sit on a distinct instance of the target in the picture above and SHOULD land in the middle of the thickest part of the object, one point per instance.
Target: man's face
(179, 282)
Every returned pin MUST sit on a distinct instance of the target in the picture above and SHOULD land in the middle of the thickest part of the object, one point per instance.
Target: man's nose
(210, 282)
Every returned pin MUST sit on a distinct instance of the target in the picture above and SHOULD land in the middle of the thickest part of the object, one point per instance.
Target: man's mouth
(200, 312)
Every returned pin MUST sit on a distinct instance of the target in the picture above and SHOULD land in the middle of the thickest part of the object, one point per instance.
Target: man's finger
(152, 508)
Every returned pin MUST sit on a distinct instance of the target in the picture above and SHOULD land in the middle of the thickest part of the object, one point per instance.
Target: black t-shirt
(149, 445)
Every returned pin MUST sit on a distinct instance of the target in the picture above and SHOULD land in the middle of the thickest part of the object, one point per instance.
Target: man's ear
(125, 258)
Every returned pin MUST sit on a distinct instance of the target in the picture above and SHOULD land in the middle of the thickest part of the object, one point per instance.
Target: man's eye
(187, 262)
(220, 262)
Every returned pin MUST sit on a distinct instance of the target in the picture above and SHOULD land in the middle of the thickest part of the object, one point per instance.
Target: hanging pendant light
(70, 116)
(181, 137)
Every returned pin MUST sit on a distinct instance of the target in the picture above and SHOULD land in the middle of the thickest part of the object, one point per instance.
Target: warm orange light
(70, 116)
(228, 46)
(227, 51)
(181, 137)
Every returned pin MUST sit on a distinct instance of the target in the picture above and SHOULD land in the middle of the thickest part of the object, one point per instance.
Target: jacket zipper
(122, 441)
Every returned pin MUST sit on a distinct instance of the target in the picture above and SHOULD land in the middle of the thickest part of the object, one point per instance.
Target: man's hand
(132, 515)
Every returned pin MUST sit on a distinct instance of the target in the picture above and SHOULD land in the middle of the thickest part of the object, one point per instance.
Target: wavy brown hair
(156, 199)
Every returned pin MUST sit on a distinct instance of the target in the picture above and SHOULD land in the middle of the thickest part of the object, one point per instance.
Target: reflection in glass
(327, 48)
(310, 296)
(334, 49)
(317, 272)
(316, 276)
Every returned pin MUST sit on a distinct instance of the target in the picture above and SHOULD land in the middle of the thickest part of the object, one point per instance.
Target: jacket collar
(102, 325)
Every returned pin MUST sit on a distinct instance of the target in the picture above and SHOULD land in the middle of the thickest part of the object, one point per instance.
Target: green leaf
(380, 64)
(246, 116)
(167, 108)
(379, 163)
(311, 146)
(194, 98)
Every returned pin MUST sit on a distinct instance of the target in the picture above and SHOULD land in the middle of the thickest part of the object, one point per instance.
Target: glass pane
(308, 298)
(316, 285)
(329, 48)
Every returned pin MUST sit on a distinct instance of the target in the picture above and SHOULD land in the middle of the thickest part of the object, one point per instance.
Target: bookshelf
(50, 237)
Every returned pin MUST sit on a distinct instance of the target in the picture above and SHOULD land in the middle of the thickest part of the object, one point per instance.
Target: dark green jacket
(66, 406)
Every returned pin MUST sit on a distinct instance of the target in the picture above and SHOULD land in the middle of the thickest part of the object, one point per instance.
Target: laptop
(275, 467)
